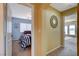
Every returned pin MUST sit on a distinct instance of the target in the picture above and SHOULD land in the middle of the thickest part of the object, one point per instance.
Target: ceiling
(63, 6)
(20, 11)
(25, 12)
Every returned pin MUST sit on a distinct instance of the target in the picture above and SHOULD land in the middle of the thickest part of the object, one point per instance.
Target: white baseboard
(52, 50)
(62, 46)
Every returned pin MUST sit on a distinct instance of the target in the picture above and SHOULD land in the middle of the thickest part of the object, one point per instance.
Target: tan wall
(46, 38)
(51, 38)
(37, 29)
(1, 31)
(69, 11)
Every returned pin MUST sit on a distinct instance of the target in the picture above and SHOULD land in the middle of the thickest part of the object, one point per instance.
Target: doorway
(70, 34)
(19, 20)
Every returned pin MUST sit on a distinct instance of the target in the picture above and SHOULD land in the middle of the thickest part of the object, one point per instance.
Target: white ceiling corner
(63, 6)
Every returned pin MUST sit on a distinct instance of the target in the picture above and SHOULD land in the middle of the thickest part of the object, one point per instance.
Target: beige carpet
(18, 51)
(70, 48)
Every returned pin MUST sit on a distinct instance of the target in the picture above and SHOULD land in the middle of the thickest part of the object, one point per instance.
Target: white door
(9, 32)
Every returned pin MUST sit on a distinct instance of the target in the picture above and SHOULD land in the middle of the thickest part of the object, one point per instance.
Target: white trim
(8, 35)
(52, 50)
(33, 41)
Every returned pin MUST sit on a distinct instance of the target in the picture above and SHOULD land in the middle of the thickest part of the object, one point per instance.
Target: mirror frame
(53, 17)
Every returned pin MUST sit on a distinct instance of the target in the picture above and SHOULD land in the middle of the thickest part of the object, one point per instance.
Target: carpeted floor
(18, 51)
(70, 48)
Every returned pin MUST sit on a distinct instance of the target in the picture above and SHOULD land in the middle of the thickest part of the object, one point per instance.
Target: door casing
(5, 10)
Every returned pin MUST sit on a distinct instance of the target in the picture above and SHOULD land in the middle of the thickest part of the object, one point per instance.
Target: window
(66, 30)
(72, 30)
(9, 27)
(25, 27)
(28, 27)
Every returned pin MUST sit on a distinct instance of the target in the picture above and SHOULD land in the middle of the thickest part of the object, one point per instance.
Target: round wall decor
(53, 21)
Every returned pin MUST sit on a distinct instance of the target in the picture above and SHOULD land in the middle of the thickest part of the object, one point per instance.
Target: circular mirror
(53, 21)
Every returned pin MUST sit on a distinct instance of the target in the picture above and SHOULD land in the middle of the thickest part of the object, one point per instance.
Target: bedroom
(18, 23)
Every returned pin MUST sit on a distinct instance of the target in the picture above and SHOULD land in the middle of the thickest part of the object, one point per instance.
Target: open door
(9, 32)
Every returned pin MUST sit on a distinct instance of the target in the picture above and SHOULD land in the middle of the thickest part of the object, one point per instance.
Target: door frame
(77, 29)
(62, 31)
(5, 17)
(33, 37)
(4, 26)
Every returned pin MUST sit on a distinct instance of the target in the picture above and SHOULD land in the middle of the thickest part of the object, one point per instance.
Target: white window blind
(25, 27)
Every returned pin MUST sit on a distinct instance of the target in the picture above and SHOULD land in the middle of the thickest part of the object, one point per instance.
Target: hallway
(46, 26)
(68, 50)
